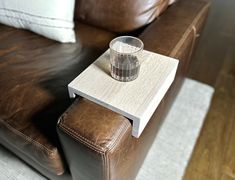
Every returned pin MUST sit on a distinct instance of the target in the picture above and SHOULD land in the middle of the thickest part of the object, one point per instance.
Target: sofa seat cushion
(34, 73)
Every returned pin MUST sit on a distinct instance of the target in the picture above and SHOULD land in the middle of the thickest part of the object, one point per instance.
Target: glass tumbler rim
(122, 37)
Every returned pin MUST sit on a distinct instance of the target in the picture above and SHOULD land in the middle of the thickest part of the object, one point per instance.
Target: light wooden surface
(138, 99)
(214, 63)
(214, 155)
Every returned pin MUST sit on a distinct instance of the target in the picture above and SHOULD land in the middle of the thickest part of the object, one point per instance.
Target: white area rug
(172, 148)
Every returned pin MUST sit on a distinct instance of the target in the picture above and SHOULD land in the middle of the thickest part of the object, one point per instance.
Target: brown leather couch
(88, 142)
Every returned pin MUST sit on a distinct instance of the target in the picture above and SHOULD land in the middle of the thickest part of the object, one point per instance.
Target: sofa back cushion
(119, 16)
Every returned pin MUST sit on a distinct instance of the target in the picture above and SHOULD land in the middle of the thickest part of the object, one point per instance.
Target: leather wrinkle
(95, 147)
(27, 155)
(104, 152)
(81, 139)
(28, 139)
(40, 71)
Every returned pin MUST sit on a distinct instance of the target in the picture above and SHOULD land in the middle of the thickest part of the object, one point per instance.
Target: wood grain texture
(137, 99)
(214, 154)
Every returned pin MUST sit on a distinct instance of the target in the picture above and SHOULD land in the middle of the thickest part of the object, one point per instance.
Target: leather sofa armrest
(175, 33)
(167, 34)
(97, 142)
(93, 139)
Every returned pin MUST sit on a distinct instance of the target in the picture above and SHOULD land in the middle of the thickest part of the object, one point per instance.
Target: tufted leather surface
(34, 73)
(119, 17)
(88, 129)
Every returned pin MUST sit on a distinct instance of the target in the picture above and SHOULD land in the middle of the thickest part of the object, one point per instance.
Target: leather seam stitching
(120, 133)
(116, 136)
(28, 139)
(74, 134)
(119, 138)
(68, 132)
(94, 147)
(81, 139)
(104, 166)
(31, 158)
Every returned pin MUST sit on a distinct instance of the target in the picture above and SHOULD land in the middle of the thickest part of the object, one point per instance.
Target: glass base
(123, 74)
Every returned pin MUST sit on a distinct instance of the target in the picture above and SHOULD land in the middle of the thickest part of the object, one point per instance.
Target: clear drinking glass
(125, 52)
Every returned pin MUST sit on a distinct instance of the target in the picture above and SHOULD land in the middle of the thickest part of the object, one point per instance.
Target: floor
(214, 64)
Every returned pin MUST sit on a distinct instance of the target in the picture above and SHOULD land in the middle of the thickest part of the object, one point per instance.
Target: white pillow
(50, 18)
(171, 2)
